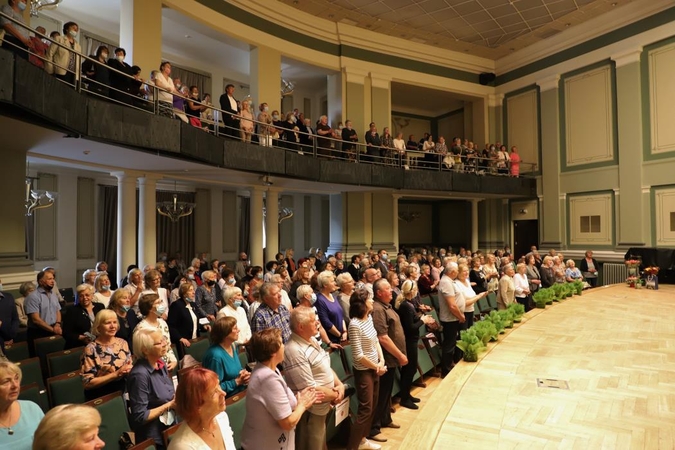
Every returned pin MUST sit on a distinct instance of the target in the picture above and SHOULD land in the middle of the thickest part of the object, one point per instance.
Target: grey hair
(451, 267)
(301, 315)
(303, 290)
(343, 278)
(230, 292)
(323, 278)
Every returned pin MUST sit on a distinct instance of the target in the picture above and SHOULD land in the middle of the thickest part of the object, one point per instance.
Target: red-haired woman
(201, 403)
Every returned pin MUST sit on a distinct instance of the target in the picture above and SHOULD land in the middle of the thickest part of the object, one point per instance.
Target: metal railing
(144, 96)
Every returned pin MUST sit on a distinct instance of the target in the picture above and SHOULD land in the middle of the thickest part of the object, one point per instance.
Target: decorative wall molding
(548, 83)
(86, 218)
(522, 125)
(628, 56)
(661, 98)
(581, 206)
(664, 216)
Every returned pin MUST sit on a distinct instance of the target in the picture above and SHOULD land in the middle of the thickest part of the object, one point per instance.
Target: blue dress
(22, 439)
(227, 367)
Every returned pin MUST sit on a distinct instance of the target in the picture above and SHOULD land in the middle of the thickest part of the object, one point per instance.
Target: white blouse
(521, 284)
(186, 439)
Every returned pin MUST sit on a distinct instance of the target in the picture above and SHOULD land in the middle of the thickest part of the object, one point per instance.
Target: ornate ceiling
(486, 28)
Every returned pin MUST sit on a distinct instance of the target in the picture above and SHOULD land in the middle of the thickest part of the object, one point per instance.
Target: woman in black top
(411, 322)
(184, 319)
(477, 277)
(126, 317)
(78, 320)
(98, 71)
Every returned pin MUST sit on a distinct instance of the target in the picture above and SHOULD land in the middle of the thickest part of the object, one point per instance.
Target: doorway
(525, 235)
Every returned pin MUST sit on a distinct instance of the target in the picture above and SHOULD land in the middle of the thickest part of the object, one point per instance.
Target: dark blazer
(127, 327)
(119, 81)
(180, 321)
(583, 266)
(382, 267)
(476, 276)
(547, 277)
(76, 322)
(226, 106)
(354, 272)
(9, 317)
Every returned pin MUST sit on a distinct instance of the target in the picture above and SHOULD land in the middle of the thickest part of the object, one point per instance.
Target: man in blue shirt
(271, 313)
(43, 310)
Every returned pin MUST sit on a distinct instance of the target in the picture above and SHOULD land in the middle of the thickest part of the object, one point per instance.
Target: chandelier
(37, 5)
(37, 199)
(284, 212)
(409, 216)
(174, 209)
(286, 87)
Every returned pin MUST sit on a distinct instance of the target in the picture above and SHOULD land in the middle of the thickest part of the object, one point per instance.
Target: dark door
(525, 235)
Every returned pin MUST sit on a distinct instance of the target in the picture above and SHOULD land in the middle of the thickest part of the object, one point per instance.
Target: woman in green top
(223, 356)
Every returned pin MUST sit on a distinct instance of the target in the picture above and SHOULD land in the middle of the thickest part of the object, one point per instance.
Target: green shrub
(470, 344)
(543, 297)
(485, 331)
(578, 286)
(497, 320)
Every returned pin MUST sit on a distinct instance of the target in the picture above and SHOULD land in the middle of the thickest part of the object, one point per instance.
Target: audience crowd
(287, 317)
(110, 76)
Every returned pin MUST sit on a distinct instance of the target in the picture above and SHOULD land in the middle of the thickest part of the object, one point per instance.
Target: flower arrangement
(652, 270)
(633, 266)
(632, 280)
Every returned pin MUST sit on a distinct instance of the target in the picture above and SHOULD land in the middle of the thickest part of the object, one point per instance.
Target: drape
(244, 223)
(190, 78)
(92, 43)
(107, 236)
(178, 236)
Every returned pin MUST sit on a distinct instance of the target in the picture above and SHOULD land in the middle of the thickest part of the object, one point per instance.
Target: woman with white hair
(234, 300)
(330, 310)
(69, 427)
(411, 321)
(206, 295)
(346, 284)
(572, 273)
(78, 320)
(150, 387)
(103, 291)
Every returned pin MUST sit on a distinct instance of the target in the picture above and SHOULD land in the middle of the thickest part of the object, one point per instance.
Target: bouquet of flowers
(632, 281)
(652, 279)
(652, 270)
(633, 266)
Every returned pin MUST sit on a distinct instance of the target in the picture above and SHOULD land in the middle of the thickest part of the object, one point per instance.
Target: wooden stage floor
(615, 346)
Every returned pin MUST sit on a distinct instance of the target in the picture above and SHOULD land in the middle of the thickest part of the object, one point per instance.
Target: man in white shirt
(451, 315)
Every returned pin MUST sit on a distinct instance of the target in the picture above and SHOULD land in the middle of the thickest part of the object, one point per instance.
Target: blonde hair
(101, 317)
(408, 290)
(11, 368)
(64, 425)
(98, 282)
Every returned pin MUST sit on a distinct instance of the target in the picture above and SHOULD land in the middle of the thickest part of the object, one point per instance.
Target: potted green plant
(470, 344)
(497, 320)
(518, 311)
(485, 331)
(578, 286)
(541, 297)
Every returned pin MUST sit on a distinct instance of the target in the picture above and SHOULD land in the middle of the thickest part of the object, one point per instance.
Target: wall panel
(591, 219)
(662, 98)
(664, 217)
(45, 222)
(86, 217)
(522, 112)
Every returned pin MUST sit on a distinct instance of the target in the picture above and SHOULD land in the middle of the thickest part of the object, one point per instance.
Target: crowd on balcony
(287, 315)
(110, 76)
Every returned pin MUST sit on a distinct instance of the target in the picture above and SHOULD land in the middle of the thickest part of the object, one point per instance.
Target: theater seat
(64, 361)
(33, 393)
(114, 420)
(66, 388)
(236, 412)
(17, 351)
(31, 372)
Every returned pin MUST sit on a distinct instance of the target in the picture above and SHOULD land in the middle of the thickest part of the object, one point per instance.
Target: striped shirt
(363, 337)
(306, 364)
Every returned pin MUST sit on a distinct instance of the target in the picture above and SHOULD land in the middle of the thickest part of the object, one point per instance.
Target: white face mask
(120, 58)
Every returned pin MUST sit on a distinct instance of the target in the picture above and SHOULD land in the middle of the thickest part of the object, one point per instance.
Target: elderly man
(392, 339)
(324, 132)
(241, 266)
(451, 315)
(306, 364)
(43, 310)
(271, 313)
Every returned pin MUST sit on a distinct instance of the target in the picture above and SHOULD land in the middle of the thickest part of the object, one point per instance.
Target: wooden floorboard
(615, 346)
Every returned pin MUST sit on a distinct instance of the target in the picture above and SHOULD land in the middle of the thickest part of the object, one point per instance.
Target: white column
(256, 227)
(394, 208)
(126, 221)
(147, 220)
(474, 224)
(271, 224)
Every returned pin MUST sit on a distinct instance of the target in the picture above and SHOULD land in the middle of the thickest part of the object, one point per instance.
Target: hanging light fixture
(174, 209)
(409, 216)
(37, 199)
(37, 5)
(284, 212)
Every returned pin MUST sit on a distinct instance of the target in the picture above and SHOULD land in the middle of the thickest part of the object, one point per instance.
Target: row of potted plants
(474, 340)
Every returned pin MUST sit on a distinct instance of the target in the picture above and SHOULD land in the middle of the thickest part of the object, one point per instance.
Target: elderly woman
(411, 321)
(135, 287)
(106, 361)
(477, 277)
(25, 289)
(153, 285)
(64, 63)
(426, 284)
(329, 309)
(69, 427)
(184, 319)
(572, 273)
(150, 387)
(272, 411)
(153, 309)
(78, 320)
(506, 294)
(206, 296)
(368, 367)
(126, 318)
(223, 356)
(491, 273)
(558, 269)
(522, 286)
(246, 122)
(307, 298)
(201, 403)
(345, 283)
(547, 273)
(532, 272)
(102, 286)
(463, 288)
(18, 418)
(285, 298)
(589, 268)
(234, 301)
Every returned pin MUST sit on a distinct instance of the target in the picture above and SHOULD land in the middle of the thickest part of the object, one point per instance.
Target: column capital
(646, 189)
(628, 56)
(495, 100)
(548, 83)
(126, 175)
(353, 75)
(149, 177)
(379, 80)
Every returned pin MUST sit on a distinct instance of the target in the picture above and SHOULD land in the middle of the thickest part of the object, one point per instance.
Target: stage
(614, 346)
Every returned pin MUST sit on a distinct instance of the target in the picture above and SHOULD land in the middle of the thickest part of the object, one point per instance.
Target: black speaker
(486, 78)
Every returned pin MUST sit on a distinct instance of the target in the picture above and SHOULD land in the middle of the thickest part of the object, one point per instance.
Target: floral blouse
(99, 359)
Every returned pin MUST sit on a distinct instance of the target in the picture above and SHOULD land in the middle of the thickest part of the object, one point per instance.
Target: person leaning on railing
(61, 62)
(164, 94)
(17, 37)
(97, 71)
